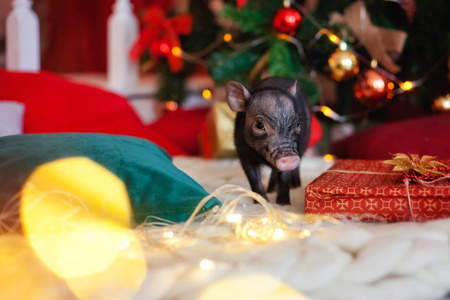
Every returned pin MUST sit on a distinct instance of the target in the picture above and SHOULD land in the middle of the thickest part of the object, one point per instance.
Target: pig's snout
(287, 163)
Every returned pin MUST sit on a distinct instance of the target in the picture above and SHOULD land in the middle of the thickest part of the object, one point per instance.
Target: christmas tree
(382, 60)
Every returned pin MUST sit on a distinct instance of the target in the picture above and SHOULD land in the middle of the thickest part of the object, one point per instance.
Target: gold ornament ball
(442, 104)
(343, 65)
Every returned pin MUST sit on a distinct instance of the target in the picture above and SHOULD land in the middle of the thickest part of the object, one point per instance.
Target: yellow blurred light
(234, 218)
(306, 233)
(206, 264)
(207, 94)
(77, 217)
(168, 234)
(171, 106)
(252, 233)
(264, 220)
(23, 275)
(284, 36)
(125, 244)
(374, 63)
(227, 37)
(176, 51)
(278, 234)
(333, 38)
(326, 110)
(328, 157)
(407, 85)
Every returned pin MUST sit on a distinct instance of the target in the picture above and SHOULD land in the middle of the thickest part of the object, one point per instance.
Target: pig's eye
(298, 126)
(259, 125)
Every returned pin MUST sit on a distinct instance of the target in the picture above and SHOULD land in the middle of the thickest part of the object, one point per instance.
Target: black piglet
(273, 126)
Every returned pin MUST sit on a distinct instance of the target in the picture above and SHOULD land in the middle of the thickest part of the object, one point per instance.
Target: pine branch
(247, 20)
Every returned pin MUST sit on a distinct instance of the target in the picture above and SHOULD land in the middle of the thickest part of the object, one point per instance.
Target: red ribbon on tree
(161, 36)
(240, 3)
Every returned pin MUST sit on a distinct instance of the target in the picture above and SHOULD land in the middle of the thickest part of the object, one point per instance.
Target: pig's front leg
(273, 181)
(254, 178)
(295, 178)
(284, 179)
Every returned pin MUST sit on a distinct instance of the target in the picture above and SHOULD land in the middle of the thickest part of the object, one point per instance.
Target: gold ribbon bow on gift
(423, 165)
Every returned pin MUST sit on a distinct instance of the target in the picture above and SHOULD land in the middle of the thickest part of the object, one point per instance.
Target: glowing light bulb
(252, 233)
(207, 94)
(390, 85)
(124, 244)
(278, 234)
(347, 62)
(206, 264)
(176, 51)
(333, 38)
(283, 36)
(374, 63)
(328, 157)
(227, 37)
(446, 105)
(407, 85)
(168, 234)
(343, 46)
(234, 218)
(164, 48)
(326, 110)
(306, 233)
(171, 105)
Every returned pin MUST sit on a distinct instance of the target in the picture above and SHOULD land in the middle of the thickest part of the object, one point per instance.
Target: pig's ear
(237, 96)
(293, 89)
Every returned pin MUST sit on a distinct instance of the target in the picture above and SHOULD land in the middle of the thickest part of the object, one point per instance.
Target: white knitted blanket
(246, 251)
(339, 260)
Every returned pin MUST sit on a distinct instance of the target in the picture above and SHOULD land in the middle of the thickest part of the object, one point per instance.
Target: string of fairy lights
(265, 224)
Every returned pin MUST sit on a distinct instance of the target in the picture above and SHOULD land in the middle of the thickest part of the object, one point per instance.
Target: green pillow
(155, 186)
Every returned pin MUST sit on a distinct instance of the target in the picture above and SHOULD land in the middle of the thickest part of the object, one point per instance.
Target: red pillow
(427, 135)
(55, 104)
(182, 127)
(316, 131)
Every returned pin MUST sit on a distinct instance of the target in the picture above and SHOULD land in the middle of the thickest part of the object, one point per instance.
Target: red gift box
(369, 189)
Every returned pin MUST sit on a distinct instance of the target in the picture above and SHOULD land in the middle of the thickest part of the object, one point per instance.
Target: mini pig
(273, 125)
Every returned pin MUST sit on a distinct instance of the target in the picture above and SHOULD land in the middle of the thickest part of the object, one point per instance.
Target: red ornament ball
(372, 89)
(287, 20)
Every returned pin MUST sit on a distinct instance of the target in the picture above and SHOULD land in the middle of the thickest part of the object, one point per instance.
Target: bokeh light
(77, 217)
